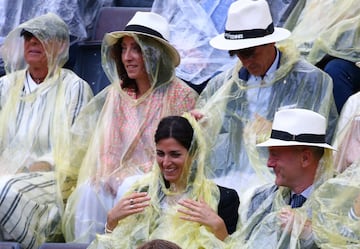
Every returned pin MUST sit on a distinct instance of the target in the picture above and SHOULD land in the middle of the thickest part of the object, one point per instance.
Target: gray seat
(10, 245)
(134, 3)
(112, 19)
(63, 246)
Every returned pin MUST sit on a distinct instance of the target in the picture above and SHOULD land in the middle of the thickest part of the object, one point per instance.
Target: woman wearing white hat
(240, 103)
(140, 63)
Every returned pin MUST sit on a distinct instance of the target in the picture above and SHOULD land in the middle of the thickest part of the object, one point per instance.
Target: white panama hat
(149, 24)
(297, 127)
(249, 24)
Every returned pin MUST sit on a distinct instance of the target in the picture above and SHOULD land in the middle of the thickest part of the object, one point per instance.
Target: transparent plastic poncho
(35, 126)
(335, 223)
(236, 120)
(115, 132)
(196, 22)
(347, 136)
(161, 220)
(78, 15)
(334, 30)
(263, 225)
(283, 11)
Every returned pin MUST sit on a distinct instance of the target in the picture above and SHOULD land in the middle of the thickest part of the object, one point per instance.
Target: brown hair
(159, 244)
(116, 55)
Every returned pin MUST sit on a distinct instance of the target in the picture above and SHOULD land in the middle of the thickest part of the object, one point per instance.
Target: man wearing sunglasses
(239, 104)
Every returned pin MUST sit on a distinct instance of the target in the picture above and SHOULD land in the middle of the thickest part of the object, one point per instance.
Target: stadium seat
(10, 245)
(113, 18)
(64, 246)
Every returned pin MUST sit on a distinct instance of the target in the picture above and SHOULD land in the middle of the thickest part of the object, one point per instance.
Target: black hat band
(304, 138)
(142, 29)
(251, 33)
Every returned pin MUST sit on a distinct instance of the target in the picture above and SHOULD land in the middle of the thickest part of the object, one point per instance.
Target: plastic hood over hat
(117, 110)
(239, 120)
(35, 127)
(161, 220)
(116, 131)
(53, 34)
(158, 65)
(335, 30)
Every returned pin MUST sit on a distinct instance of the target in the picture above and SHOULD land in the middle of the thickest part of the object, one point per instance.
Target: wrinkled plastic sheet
(281, 10)
(79, 15)
(196, 22)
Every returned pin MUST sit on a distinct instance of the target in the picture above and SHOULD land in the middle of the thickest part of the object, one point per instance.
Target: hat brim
(277, 143)
(113, 37)
(221, 43)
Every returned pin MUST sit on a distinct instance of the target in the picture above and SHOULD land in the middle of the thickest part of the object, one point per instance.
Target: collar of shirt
(29, 85)
(269, 75)
(306, 193)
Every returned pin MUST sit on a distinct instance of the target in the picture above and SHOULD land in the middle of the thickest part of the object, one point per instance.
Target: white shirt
(259, 96)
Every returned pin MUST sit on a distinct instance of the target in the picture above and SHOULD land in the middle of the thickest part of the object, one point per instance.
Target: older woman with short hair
(39, 103)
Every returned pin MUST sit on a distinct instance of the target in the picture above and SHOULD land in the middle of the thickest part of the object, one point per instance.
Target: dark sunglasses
(244, 53)
(26, 34)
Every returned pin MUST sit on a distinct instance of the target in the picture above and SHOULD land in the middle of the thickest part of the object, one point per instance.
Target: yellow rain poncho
(35, 125)
(335, 224)
(238, 116)
(334, 30)
(119, 129)
(264, 227)
(347, 136)
(161, 220)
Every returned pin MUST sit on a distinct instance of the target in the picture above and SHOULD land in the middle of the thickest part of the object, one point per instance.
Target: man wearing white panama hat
(301, 161)
(240, 103)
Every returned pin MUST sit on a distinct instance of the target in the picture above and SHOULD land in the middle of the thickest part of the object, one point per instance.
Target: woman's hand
(199, 211)
(196, 114)
(132, 204)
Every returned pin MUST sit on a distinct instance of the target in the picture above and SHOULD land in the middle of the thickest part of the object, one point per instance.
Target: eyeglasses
(26, 34)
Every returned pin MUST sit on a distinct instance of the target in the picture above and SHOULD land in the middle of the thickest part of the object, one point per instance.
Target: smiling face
(132, 59)
(34, 51)
(172, 159)
(286, 161)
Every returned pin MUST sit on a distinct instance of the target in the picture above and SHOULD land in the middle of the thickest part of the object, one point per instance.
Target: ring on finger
(131, 206)
(131, 201)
